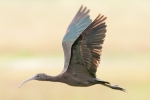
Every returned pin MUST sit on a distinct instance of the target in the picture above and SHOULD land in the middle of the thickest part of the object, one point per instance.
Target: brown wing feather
(91, 44)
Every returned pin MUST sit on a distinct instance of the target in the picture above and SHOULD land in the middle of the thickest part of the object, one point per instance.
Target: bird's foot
(117, 88)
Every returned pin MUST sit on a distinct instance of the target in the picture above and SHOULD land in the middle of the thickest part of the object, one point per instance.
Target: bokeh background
(31, 32)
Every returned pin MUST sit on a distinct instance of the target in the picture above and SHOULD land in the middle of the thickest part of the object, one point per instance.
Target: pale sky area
(38, 27)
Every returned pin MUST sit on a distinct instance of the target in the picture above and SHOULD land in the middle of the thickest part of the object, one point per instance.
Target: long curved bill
(32, 78)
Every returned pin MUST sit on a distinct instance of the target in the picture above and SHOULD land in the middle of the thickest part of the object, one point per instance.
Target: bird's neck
(53, 78)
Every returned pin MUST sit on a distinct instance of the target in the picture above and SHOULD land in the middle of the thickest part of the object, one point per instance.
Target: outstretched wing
(91, 44)
(80, 22)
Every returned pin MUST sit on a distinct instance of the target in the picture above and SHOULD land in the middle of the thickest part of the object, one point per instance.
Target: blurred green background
(31, 32)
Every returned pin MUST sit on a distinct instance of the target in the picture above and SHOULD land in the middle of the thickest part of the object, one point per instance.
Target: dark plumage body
(82, 45)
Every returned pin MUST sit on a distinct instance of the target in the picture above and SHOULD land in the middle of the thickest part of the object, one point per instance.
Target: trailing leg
(107, 84)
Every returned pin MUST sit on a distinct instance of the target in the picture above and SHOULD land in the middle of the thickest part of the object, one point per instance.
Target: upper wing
(92, 39)
(80, 22)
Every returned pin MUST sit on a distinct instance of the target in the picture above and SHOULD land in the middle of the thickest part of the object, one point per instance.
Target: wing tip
(84, 9)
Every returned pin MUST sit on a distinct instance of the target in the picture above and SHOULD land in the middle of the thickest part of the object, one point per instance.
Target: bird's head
(40, 77)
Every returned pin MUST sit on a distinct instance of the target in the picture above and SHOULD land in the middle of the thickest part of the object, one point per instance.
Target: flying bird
(82, 45)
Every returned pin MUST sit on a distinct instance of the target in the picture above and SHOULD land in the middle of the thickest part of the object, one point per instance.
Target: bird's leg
(102, 82)
(116, 87)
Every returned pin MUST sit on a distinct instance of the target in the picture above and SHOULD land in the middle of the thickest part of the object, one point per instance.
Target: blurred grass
(127, 72)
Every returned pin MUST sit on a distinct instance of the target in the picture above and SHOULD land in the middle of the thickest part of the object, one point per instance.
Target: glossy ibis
(82, 45)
